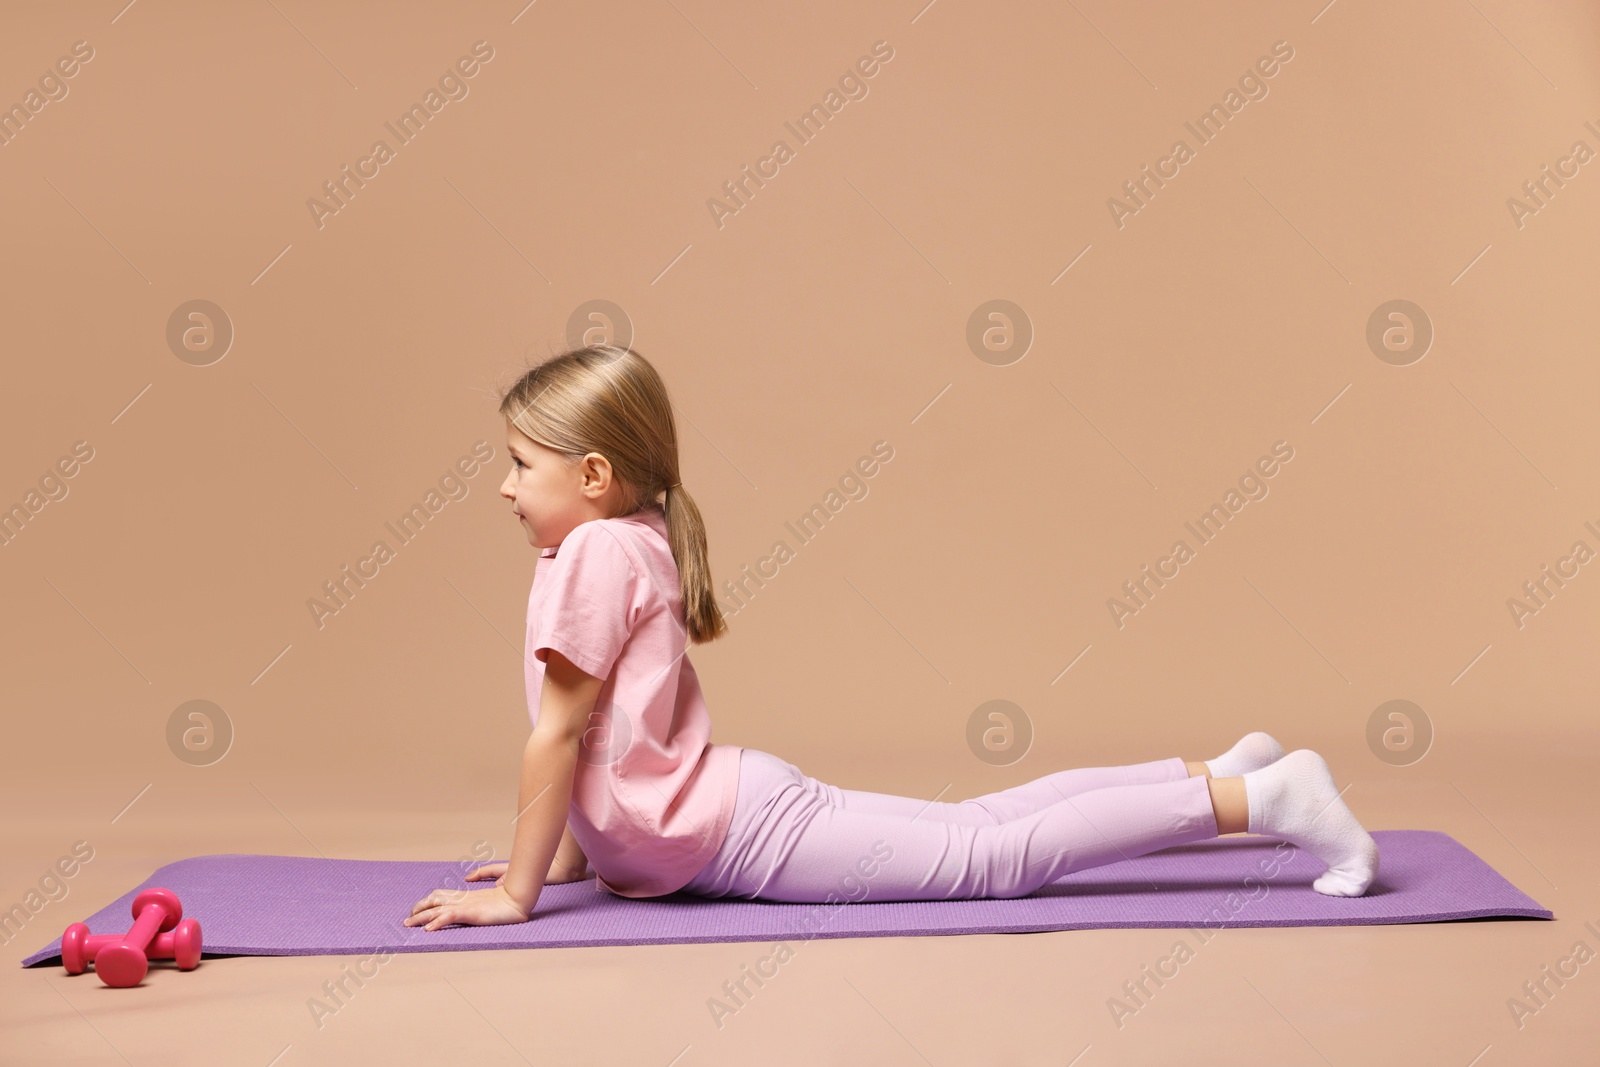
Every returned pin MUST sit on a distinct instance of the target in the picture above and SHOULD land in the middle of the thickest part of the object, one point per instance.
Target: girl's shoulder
(639, 537)
(645, 530)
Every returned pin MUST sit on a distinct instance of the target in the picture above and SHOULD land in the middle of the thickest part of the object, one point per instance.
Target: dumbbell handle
(145, 926)
(158, 949)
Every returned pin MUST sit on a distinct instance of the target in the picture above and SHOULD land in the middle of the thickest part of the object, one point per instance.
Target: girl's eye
(517, 461)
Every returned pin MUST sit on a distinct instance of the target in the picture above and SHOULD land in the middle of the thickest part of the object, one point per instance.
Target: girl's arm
(570, 864)
(548, 764)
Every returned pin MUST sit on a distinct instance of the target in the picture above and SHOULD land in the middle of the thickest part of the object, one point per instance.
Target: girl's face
(551, 497)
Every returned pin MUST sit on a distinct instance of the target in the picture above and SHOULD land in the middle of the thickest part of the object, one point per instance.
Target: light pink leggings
(799, 840)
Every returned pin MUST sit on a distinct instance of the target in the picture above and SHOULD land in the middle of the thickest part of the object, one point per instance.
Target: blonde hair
(610, 400)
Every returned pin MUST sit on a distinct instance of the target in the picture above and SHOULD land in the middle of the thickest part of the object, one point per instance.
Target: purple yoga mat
(298, 906)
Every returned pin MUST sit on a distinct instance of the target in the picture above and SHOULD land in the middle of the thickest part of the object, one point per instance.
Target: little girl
(620, 772)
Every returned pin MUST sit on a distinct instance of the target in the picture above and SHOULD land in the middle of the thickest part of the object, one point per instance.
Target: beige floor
(1428, 993)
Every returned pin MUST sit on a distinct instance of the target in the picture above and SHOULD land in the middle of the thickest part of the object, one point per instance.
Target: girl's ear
(597, 473)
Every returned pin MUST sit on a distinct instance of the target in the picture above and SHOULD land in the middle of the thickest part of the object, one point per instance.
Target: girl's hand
(497, 871)
(557, 875)
(482, 907)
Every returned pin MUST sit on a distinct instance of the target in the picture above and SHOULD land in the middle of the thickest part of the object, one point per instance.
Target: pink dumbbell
(158, 932)
(181, 943)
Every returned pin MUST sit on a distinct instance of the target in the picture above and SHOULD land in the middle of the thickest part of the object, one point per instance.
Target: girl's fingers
(436, 899)
(431, 908)
(433, 916)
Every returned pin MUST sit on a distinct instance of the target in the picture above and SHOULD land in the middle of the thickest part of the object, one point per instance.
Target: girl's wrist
(560, 872)
(525, 906)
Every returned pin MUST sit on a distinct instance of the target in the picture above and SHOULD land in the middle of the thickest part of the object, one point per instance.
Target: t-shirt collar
(652, 515)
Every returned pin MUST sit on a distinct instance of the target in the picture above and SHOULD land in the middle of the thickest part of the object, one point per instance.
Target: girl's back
(651, 796)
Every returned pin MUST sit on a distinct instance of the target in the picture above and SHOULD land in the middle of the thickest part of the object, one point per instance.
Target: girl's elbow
(555, 740)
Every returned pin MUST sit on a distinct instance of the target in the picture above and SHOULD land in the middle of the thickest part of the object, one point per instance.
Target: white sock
(1253, 752)
(1296, 799)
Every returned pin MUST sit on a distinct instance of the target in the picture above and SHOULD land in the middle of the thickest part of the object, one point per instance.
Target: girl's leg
(810, 850)
(1253, 751)
(994, 808)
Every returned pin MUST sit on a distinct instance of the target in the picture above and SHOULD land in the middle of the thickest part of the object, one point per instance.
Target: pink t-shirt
(651, 795)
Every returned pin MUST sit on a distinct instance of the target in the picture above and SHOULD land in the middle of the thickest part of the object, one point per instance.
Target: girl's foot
(1296, 799)
(1253, 752)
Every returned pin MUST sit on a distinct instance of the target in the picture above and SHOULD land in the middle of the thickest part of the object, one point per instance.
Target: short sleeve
(586, 609)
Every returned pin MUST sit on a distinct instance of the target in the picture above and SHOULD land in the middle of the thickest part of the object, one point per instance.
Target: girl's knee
(981, 815)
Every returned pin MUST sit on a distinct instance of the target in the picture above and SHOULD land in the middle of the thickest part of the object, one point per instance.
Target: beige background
(831, 312)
